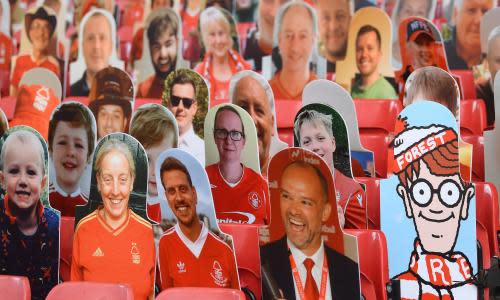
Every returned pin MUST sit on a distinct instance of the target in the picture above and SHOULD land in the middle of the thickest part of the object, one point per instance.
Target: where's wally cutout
(330, 93)
(35, 256)
(38, 95)
(427, 210)
(251, 189)
(143, 67)
(213, 252)
(155, 127)
(77, 69)
(492, 143)
(340, 249)
(425, 9)
(311, 134)
(137, 198)
(71, 146)
(366, 16)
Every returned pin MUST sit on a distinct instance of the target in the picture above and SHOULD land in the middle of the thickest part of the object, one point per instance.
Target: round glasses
(449, 192)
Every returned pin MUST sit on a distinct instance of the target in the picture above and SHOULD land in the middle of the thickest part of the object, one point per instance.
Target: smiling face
(164, 52)
(436, 214)
(333, 21)
(22, 176)
(229, 150)
(183, 115)
(410, 8)
(368, 53)
(304, 207)
(422, 51)
(115, 183)
(39, 33)
(110, 119)
(296, 38)
(217, 38)
(69, 154)
(181, 197)
(249, 95)
(315, 137)
(97, 43)
(468, 23)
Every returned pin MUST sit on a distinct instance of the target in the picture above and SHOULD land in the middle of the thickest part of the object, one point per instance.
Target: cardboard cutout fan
(428, 210)
(305, 228)
(28, 225)
(210, 262)
(332, 94)
(492, 143)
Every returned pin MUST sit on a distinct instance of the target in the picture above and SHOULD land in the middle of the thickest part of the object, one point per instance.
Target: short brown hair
(172, 163)
(151, 125)
(433, 84)
(77, 116)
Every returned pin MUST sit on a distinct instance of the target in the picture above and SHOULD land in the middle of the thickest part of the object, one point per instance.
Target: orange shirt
(281, 93)
(246, 202)
(122, 255)
(24, 63)
(208, 262)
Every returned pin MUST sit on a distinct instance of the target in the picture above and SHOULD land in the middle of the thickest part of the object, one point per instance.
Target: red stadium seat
(377, 113)
(373, 262)
(285, 116)
(141, 101)
(372, 186)
(133, 13)
(8, 105)
(487, 213)
(66, 247)
(477, 156)
(125, 36)
(218, 101)
(202, 293)
(246, 245)
(466, 82)
(80, 290)
(472, 117)
(15, 287)
(4, 83)
(378, 142)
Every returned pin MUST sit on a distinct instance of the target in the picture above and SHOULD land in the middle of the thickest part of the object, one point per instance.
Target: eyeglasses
(186, 102)
(449, 192)
(222, 134)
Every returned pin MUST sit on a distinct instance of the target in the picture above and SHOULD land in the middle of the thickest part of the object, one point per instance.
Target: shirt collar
(187, 136)
(299, 256)
(58, 189)
(197, 245)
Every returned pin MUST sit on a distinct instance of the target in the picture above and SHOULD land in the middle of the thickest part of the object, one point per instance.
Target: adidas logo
(98, 252)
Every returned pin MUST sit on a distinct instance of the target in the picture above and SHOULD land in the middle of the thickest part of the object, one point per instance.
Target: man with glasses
(240, 194)
(437, 199)
(183, 105)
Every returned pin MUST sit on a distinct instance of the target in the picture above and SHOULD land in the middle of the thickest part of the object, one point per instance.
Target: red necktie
(310, 290)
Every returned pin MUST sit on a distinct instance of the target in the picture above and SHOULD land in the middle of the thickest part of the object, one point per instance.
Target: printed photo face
(408, 8)
(315, 137)
(368, 53)
(229, 136)
(183, 105)
(164, 51)
(181, 196)
(217, 38)
(97, 43)
(110, 119)
(39, 33)
(333, 22)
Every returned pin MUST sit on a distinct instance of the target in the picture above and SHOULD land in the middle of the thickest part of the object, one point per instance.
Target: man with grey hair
(463, 49)
(295, 33)
(259, 42)
(484, 90)
(252, 92)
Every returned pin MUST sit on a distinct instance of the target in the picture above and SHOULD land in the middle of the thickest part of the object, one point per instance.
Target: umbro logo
(98, 252)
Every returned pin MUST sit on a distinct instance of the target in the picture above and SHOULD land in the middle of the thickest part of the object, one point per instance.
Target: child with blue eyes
(71, 143)
(29, 232)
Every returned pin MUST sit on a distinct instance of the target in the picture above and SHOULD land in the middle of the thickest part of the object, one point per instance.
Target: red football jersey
(63, 202)
(246, 202)
(122, 255)
(208, 262)
(24, 63)
(351, 197)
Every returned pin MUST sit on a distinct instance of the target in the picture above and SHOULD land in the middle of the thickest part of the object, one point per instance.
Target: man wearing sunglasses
(183, 105)
(437, 199)
(240, 194)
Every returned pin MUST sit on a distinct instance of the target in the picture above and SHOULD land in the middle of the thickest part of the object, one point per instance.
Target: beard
(339, 53)
(163, 75)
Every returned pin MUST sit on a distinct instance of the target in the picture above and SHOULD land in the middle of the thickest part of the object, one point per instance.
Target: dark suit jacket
(341, 269)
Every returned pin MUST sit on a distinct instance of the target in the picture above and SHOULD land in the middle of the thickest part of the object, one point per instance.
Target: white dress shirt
(193, 144)
(317, 257)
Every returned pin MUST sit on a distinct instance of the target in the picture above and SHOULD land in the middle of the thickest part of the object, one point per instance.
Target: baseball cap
(34, 106)
(417, 27)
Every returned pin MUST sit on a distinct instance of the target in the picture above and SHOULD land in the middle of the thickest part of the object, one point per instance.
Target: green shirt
(380, 89)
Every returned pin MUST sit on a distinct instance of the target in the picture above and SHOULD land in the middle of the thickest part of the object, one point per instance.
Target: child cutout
(72, 138)
(240, 193)
(321, 129)
(28, 226)
(113, 241)
(155, 128)
(432, 252)
(193, 252)
(308, 255)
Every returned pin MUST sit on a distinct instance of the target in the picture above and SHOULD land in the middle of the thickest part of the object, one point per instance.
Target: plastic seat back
(15, 287)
